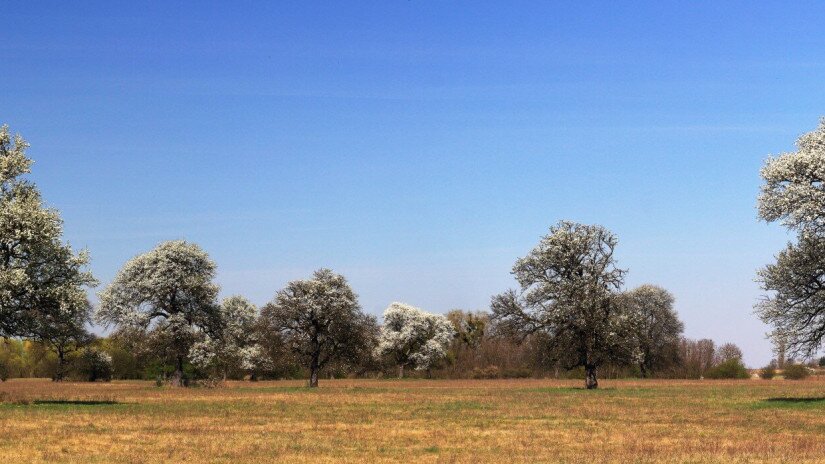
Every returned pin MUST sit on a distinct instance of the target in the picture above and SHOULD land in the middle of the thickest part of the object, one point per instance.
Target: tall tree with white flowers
(168, 294)
(413, 337)
(321, 321)
(793, 193)
(43, 282)
(569, 284)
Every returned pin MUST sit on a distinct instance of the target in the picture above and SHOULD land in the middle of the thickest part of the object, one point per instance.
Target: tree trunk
(590, 381)
(61, 365)
(643, 370)
(313, 372)
(177, 378)
(400, 371)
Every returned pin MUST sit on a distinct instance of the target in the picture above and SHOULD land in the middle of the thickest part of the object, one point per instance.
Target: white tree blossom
(413, 337)
(794, 188)
(167, 293)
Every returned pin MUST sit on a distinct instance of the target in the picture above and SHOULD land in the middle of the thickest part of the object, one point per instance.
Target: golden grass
(415, 421)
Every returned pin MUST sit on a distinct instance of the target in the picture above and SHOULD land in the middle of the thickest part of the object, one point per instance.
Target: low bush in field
(730, 369)
(489, 372)
(767, 373)
(494, 372)
(795, 372)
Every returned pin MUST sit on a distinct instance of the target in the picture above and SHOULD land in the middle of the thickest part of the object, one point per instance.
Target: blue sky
(419, 148)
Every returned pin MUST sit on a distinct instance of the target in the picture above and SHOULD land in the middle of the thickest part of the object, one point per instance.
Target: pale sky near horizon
(419, 148)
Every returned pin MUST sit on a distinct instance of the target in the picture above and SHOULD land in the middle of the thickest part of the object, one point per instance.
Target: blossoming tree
(413, 337)
(169, 295)
(43, 281)
(656, 327)
(321, 321)
(569, 283)
(794, 193)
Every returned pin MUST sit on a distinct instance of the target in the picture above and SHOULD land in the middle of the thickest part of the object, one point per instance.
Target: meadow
(475, 421)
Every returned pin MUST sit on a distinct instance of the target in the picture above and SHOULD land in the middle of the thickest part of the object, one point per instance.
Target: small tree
(768, 372)
(64, 331)
(657, 327)
(95, 364)
(321, 321)
(413, 337)
(727, 352)
(167, 294)
(235, 345)
(470, 328)
(568, 291)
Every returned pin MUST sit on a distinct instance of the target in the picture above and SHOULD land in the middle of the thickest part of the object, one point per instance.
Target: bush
(489, 372)
(795, 372)
(730, 369)
(767, 372)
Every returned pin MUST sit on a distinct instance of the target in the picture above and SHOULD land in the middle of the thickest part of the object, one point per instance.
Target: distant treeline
(569, 314)
(475, 352)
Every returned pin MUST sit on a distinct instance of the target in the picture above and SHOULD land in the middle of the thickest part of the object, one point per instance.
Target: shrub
(730, 369)
(795, 372)
(489, 372)
(767, 372)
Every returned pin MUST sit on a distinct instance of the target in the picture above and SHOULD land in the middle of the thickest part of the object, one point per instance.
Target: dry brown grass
(424, 421)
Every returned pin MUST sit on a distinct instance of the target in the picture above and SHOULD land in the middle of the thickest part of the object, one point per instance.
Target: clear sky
(418, 147)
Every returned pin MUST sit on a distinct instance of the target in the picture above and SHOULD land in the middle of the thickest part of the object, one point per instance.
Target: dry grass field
(415, 421)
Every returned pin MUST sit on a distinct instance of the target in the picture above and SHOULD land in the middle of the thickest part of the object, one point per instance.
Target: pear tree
(568, 289)
(793, 193)
(168, 294)
(413, 337)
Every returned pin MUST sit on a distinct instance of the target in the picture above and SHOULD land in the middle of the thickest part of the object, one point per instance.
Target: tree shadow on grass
(572, 389)
(77, 402)
(813, 399)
